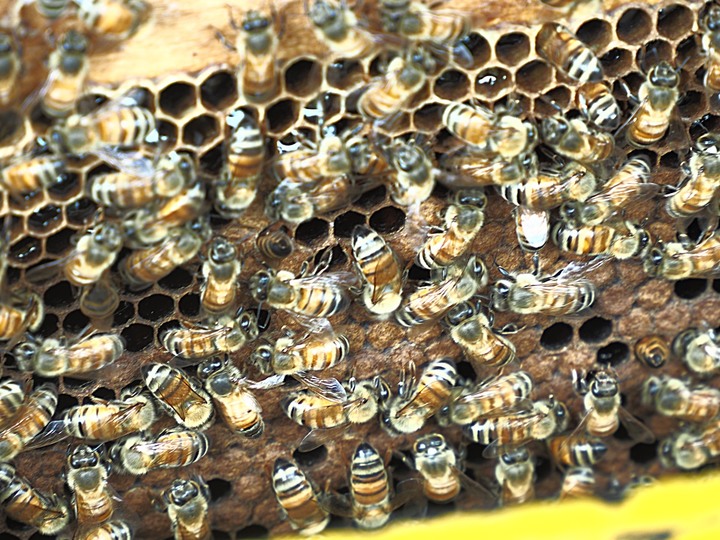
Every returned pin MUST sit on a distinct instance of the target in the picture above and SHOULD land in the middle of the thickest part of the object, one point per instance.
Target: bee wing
(181, 410)
(343, 280)
(330, 389)
(54, 432)
(625, 195)
(319, 437)
(267, 383)
(576, 270)
(135, 163)
(476, 487)
(635, 428)
(41, 273)
(339, 505)
(409, 492)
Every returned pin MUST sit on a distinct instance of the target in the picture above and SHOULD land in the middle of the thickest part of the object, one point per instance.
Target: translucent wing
(53, 433)
(475, 487)
(267, 383)
(330, 389)
(635, 428)
(319, 437)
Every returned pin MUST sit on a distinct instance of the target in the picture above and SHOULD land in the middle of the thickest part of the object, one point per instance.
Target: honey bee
(532, 227)
(237, 187)
(380, 271)
(413, 175)
(658, 96)
(546, 418)
(691, 448)
(148, 226)
(470, 169)
(187, 507)
(548, 190)
(126, 190)
(577, 450)
(603, 410)
(325, 417)
(575, 140)
(700, 188)
(570, 56)
(87, 478)
(515, 472)
(49, 514)
(144, 267)
(115, 529)
(310, 294)
(19, 312)
(370, 489)
(677, 260)
(33, 174)
(598, 105)
(115, 19)
(12, 397)
(437, 463)
(53, 357)
(561, 294)
(275, 243)
(110, 420)
(629, 184)
(337, 27)
(653, 350)
(179, 395)
(433, 301)
(472, 331)
(298, 499)
(30, 419)
(221, 271)
(602, 239)
(140, 454)
(9, 66)
(673, 397)
(490, 132)
(257, 45)
(115, 126)
(314, 163)
(68, 67)
(386, 96)
(699, 350)
(231, 393)
(504, 393)
(461, 226)
(419, 399)
(578, 482)
(710, 24)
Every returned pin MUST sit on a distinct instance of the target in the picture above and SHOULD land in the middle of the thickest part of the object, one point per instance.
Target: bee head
(604, 385)
(255, 22)
(683, 339)
(666, 451)
(501, 294)
(430, 445)
(260, 283)
(553, 129)
(650, 389)
(210, 366)
(109, 236)
(83, 457)
(322, 14)
(644, 243)
(653, 261)
(263, 357)
(515, 456)
(460, 313)
(663, 74)
(471, 197)
(382, 390)
(711, 21)
(181, 492)
(248, 324)
(221, 250)
(25, 353)
(6, 44)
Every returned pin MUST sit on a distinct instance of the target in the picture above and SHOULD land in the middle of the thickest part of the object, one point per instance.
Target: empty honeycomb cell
(219, 90)
(312, 231)
(281, 116)
(547, 104)
(75, 321)
(177, 98)
(303, 77)
(123, 313)
(388, 220)
(49, 326)
(370, 199)
(66, 186)
(213, 161)
(479, 49)
(512, 48)
(716, 285)
(653, 52)
(219, 488)
(690, 288)
(220, 535)
(178, 279)
(200, 130)
(252, 531)
(337, 257)
(59, 295)
(613, 353)
(595, 330)
(189, 305)
(595, 33)
(323, 109)
(557, 336)
(81, 212)
(634, 26)
(12, 128)
(466, 370)
(345, 74)
(313, 457)
(167, 131)
(689, 54)
(137, 337)
(155, 307)
(428, 117)
(643, 453)
(26, 251)
(104, 393)
(493, 82)
(617, 62)
(691, 104)
(451, 85)
(674, 21)
(534, 76)
(59, 242)
(671, 160)
(345, 223)
(46, 219)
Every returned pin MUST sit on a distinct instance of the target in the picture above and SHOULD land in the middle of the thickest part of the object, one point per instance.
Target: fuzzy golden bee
(699, 349)
(220, 271)
(275, 243)
(313, 162)
(413, 177)
(578, 482)
(678, 260)
(140, 454)
(29, 421)
(461, 225)
(257, 43)
(576, 140)
(438, 465)
(49, 514)
(653, 350)
(658, 96)
(10, 64)
(674, 397)
(31, 174)
(12, 397)
(20, 311)
(68, 67)
(515, 472)
(577, 450)
(179, 395)
(115, 529)
(187, 507)
(380, 270)
(298, 499)
(472, 169)
(114, 19)
(597, 103)
(337, 26)
(419, 399)
(559, 46)
(710, 25)
(691, 447)
(87, 478)
(491, 398)
(700, 188)
(602, 239)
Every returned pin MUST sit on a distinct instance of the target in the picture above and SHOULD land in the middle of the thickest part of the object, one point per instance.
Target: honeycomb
(190, 84)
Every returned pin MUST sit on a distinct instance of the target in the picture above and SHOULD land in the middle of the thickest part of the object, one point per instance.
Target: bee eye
(420, 447)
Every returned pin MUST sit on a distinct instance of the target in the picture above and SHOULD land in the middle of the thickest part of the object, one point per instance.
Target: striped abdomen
(30, 420)
(32, 174)
(594, 240)
(95, 506)
(314, 300)
(314, 411)
(112, 530)
(259, 78)
(370, 488)
(107, 421)
(471, 124)
(123, 126)
(694, 195)
(297, 498)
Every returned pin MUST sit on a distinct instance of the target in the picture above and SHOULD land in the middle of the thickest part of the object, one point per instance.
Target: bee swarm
(184, 74)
